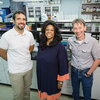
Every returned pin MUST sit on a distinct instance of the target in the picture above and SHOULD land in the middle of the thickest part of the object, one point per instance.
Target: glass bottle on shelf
(88, 1)
(96, 0)
(93, 28)
(31, 12)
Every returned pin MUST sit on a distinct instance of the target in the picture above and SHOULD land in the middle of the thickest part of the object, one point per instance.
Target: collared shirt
(83, 54)
(17, 46)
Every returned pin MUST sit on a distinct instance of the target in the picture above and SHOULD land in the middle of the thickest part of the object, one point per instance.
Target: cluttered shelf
(93, 12)
(93, 27)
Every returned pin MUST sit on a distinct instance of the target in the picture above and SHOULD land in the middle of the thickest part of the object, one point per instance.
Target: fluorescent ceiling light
(26, 0)
(22, 0)
(1, 2)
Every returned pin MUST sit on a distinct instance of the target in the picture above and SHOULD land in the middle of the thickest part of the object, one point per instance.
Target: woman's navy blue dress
(51, 62)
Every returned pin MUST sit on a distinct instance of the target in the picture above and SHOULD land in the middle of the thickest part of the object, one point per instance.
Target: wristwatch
(60, 82)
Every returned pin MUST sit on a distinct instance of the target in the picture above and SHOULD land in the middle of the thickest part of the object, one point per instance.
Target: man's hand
(3, 53)
(31, 48)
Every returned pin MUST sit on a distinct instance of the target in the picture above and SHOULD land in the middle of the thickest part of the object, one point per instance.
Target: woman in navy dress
(52, 63)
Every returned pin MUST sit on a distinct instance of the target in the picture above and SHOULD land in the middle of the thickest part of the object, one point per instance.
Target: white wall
(71, 8)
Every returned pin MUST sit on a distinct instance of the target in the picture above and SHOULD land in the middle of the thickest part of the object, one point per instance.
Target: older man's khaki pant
(21, 83)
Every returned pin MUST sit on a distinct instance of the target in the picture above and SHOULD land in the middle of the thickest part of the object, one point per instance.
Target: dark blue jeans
(78, 76)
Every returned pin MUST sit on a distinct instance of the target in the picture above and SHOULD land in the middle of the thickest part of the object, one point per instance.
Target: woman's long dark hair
(43, 38)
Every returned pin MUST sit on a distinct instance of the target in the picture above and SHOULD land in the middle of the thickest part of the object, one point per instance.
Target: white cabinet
(3, 77)
(96, 84)
(5, 66)
(34, 79)
(34, 12)
(67, 88)
(52, 10)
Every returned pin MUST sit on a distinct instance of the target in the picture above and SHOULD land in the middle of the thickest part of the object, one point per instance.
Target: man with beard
(16, 46)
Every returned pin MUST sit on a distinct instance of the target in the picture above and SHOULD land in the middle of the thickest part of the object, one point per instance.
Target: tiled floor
(6, 94)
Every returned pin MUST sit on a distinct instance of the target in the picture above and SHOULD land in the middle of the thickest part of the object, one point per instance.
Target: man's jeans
(78, 76)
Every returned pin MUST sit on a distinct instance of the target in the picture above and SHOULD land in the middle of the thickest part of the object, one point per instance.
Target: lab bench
(67, 88)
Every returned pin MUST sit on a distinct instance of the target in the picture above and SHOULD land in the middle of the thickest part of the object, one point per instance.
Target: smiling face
(79, 30)
(49, 32)
(20, 21)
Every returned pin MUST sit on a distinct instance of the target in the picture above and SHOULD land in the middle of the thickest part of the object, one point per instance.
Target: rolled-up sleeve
(63, 64)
